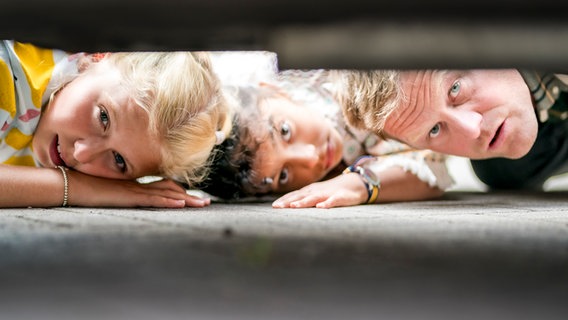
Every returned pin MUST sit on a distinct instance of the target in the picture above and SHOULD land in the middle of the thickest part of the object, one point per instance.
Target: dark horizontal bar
(307, 34)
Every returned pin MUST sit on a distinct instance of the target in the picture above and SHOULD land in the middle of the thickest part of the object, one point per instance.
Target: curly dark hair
(232, 165)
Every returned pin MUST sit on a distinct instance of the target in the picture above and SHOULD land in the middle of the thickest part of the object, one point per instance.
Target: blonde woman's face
(94, 127)
(303, 146)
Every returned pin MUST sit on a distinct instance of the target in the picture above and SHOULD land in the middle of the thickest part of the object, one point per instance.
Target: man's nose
(87, 149)
(468, 123)
(303, 154)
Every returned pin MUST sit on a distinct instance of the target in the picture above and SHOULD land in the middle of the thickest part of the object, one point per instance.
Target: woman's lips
(54, 154)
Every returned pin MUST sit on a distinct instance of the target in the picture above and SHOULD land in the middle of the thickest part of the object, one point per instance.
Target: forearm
(398, 184)
(44, 187)
(29, 186)
(410, 175)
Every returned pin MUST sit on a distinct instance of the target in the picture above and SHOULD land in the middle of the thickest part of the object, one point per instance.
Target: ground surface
(469, 256)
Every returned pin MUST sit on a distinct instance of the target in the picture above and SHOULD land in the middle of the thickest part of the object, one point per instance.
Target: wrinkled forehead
(419, 88)
(421, 81)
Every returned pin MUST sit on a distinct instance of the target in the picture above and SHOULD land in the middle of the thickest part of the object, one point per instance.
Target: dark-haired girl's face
(302, 146)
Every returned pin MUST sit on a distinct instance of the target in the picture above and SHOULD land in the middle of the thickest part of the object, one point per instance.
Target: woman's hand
(343, 190)
(89, 191)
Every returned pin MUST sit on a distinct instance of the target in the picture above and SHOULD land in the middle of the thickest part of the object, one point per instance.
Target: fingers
(291, 197)
(161, 194)
(285, 200)
(174, 199)
(298, 200)
(197, 202)
(177, 193)
(334, 201)
(161, 200)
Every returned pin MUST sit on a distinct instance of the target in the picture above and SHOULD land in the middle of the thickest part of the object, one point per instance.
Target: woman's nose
(87, 150)
(468, 123)
(303, 154)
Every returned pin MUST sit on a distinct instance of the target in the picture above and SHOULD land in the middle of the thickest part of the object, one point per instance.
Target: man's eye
(455, 89)
(435, 131)
(285, 131)
(120, 163)
(283, 179)
(103, 116)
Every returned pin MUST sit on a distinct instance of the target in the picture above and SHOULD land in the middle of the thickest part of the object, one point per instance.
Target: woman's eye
(285, 131)
(455, 89)
(120, 163)
(283, 179)
(435, 131)
(103, 116)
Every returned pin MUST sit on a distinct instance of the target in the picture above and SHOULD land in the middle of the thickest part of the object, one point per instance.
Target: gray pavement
(469, 255)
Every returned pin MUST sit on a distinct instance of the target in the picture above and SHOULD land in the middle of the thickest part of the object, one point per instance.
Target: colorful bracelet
(371, 181)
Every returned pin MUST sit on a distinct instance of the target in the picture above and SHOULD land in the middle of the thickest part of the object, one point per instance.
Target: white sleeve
(428, 166)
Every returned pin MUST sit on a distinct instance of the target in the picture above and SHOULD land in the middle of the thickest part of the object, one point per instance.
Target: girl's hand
(89, 191)
(343, 190)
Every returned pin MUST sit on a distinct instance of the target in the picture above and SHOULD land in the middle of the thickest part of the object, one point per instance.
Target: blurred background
(307, 34)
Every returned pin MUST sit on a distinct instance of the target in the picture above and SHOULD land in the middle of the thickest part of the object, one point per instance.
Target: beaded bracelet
(65, 185)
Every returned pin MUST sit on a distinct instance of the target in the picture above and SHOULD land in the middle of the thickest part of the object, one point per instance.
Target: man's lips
(496, 137)
(54, 154)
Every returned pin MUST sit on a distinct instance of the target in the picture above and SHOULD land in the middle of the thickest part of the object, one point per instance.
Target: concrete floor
(470, 255)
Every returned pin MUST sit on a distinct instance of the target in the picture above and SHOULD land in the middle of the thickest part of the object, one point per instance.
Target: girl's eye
(455, 89)
(120, 163)
(435, 131)
(283, 179)
(103, 116)
(285, 131)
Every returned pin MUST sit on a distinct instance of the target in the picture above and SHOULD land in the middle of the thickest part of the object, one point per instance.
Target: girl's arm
(44, 187)
(349, 190)
(406, 176)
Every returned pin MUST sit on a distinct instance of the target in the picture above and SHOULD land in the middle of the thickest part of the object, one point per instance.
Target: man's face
(94, 127)
(477, 114)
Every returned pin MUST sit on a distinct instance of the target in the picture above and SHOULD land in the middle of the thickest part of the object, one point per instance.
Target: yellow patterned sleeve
(7, 95)
(38, 66)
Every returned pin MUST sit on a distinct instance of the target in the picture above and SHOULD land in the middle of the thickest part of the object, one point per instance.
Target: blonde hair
(367, 98)
(185, 104)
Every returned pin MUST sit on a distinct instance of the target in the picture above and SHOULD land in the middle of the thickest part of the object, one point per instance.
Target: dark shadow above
(307, 34)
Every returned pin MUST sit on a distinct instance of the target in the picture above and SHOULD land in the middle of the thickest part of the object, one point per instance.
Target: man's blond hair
(367, 98)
